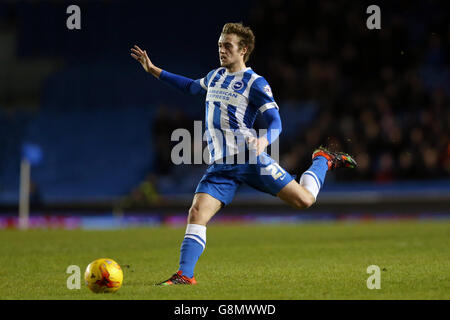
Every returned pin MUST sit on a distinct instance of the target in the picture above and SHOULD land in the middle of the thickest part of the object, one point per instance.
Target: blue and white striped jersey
(233, 101)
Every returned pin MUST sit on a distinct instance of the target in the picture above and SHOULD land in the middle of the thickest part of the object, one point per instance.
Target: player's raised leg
(203, 208)
(304, 194)
(296, 195)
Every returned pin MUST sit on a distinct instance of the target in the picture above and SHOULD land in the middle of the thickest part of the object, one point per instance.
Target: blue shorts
(222, 180)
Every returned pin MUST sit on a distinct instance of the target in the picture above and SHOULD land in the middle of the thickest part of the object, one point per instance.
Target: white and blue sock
(191, 248)
(313, 178)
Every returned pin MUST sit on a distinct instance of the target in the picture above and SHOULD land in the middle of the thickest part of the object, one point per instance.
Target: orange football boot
(178, 278)
(335, 159)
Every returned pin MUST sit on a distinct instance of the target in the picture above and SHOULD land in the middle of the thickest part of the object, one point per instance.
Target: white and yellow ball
(103, 275)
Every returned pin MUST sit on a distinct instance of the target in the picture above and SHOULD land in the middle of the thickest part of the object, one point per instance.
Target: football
(103, 276)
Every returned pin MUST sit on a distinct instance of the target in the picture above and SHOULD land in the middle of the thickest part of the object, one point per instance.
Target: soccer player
(235, 94)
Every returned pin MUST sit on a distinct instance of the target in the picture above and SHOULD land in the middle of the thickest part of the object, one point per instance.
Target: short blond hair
(247, 38)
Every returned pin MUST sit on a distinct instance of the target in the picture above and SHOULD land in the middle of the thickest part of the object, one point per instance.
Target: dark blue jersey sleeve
(273, 120)
(184, 84)
(261, 96)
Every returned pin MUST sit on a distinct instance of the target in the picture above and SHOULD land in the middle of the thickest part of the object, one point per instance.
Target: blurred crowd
(384, 95)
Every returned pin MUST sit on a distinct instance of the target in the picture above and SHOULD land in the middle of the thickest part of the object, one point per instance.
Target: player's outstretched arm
(179, 82)
(141, 56)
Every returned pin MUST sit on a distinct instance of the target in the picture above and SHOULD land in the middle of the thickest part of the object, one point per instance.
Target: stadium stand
(95, 113)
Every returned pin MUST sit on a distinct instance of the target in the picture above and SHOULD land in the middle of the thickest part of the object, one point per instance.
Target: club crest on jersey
(237, 85)
(267, 90)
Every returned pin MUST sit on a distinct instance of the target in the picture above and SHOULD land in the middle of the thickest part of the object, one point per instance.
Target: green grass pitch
(264, 262)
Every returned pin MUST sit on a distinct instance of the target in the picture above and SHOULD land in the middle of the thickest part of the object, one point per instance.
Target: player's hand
(258, 144)
(141, 56)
